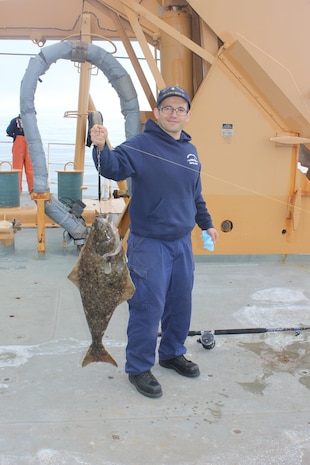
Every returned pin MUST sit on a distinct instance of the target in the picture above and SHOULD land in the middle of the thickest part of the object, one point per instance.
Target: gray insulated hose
(38, 65)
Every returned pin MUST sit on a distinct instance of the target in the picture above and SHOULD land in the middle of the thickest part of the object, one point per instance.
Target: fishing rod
(207, 338)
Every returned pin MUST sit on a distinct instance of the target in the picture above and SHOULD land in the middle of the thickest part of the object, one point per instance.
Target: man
(165, 205)
(21, 157)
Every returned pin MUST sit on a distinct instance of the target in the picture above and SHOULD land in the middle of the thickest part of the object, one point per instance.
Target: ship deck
(250, 406)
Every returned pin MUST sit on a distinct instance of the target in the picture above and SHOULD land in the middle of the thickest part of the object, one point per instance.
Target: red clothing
(21, 159)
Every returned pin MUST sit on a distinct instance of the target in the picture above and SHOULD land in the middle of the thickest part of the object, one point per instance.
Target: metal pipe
(38, 65)
(176, 59)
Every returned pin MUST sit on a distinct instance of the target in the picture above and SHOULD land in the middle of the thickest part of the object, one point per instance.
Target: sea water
(56, 94)
(58, 136)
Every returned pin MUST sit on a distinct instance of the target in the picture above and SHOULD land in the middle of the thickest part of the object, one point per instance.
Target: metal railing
(58, 155)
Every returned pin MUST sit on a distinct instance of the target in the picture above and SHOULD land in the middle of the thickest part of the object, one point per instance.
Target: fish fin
(73, 275)
(129, 289)
(97, 353)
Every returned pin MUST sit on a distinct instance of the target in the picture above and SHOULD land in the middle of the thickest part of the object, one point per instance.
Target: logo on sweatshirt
(192, 159)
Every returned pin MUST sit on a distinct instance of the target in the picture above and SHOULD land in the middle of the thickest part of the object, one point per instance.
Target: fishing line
(95, 117)
(216, 178)
(99, 179)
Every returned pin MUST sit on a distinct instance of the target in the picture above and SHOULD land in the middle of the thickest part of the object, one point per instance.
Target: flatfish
(102, 276)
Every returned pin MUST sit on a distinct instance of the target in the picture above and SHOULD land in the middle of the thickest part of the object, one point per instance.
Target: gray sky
(58, 91)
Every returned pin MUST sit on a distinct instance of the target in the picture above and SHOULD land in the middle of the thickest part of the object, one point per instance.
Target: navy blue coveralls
(166, 204)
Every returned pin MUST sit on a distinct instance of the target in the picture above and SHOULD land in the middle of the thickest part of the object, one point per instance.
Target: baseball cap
(173, 91)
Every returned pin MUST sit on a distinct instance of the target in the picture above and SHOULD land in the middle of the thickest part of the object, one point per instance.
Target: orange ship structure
(244, 67)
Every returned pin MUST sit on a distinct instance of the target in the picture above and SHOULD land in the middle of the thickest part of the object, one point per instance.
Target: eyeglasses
(168, 110)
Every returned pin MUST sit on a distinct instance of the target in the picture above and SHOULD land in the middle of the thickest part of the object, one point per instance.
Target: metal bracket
(79, 51)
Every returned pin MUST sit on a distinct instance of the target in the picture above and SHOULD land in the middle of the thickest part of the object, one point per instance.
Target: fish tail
(97, 353)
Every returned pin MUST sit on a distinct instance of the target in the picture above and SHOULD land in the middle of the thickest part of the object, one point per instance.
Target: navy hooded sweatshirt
(166, 187)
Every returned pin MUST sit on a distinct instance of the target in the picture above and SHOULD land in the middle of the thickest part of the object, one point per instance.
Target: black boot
(182, 366)
(146, 384)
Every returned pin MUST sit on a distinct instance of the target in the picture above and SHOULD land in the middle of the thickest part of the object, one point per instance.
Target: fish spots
(104, 282)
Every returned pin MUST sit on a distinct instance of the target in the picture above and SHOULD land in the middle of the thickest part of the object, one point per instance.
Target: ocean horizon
(57, 93)
(58, 139)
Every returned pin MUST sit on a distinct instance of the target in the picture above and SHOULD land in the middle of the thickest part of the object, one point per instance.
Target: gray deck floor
(250, 406)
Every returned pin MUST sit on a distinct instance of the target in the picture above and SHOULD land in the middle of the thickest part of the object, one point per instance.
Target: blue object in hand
(207, 241)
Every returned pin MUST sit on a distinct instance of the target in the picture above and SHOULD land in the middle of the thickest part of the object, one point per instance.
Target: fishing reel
(207, 340)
